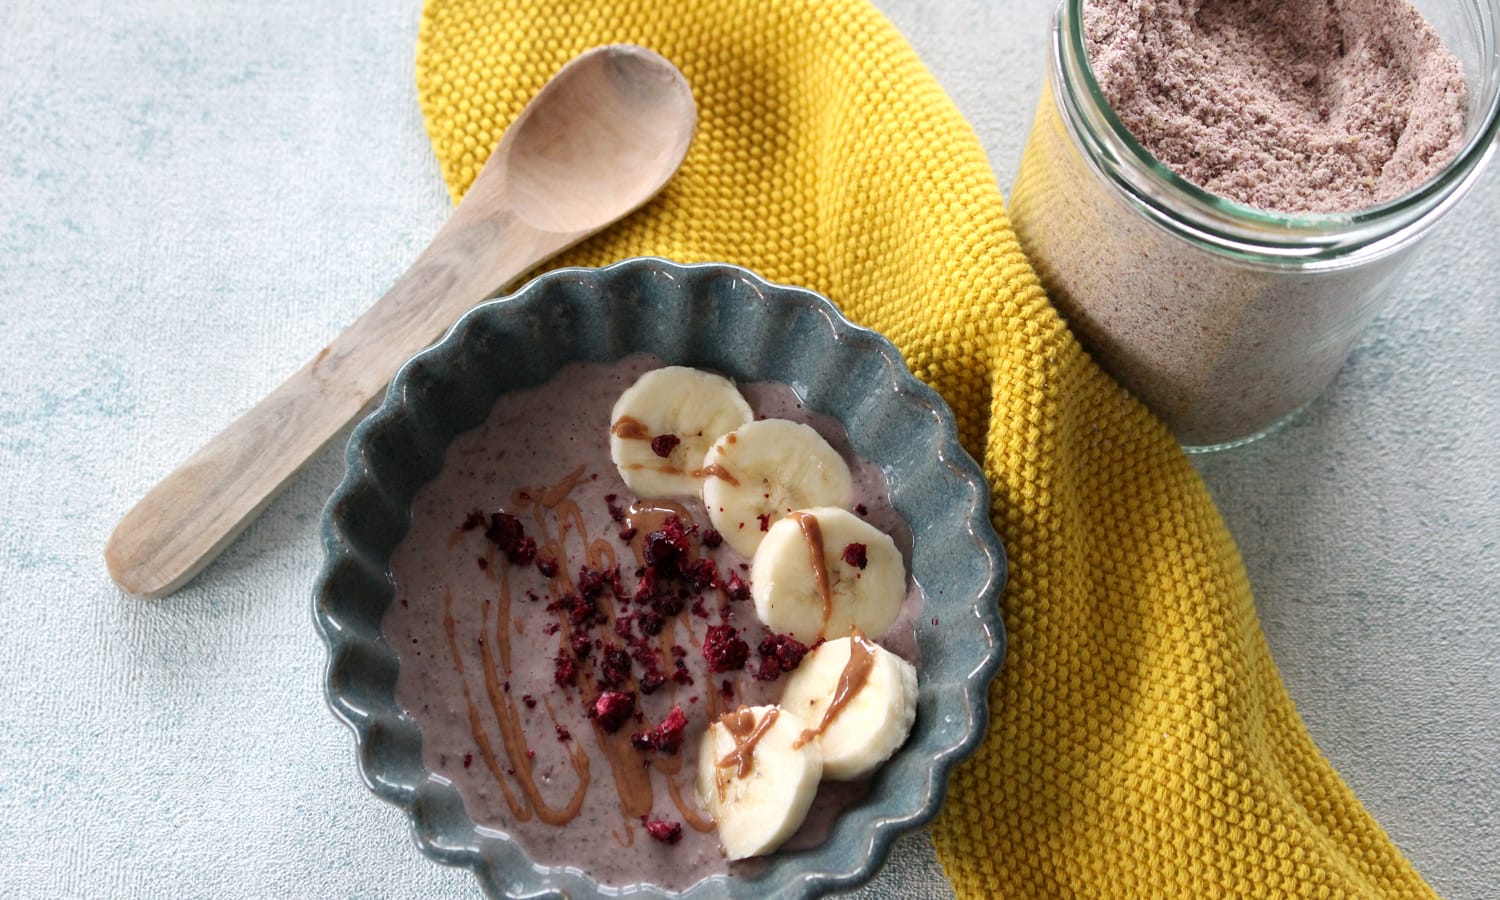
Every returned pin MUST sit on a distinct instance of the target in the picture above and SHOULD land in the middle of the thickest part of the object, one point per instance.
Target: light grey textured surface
(194, 198)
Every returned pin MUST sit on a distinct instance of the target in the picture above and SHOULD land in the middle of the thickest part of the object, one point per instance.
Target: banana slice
(755, 779)
(861, 701)
(764, 470)
(662, 426)
(807, 579)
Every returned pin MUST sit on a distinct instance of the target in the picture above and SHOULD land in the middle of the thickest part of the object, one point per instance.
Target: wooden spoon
(599, 140)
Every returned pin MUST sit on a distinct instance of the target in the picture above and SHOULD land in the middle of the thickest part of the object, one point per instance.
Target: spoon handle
(198, 509)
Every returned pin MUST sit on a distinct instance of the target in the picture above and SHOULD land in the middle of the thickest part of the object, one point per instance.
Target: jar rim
(1250, 230)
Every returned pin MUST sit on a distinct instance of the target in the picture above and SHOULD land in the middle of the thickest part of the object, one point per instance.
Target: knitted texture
(1141, 742)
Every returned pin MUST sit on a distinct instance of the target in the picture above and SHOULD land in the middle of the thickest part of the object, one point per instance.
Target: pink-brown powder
(1296, 106)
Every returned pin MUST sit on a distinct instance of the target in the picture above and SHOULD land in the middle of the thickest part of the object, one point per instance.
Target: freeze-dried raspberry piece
(779, 653)
(615, 666)
(651, 681)
(701, 573)
(664, 831)
(666, 737)
(854, 555)
(613, 708)
(506, 532)
(663, 444)
(616, 513)
(565, 671)
(667, 548)
(736, 588)
(592, 581)
(523, 552)
(724, 649)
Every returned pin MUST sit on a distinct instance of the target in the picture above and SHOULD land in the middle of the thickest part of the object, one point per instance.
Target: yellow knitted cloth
(1141, 741)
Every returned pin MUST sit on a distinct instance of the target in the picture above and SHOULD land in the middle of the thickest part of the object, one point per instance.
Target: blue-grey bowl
(720, 317)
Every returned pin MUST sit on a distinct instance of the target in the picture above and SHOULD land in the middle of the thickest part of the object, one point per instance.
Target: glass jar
(1224, 319)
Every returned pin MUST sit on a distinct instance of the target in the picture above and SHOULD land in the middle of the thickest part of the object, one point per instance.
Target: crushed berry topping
(615, 667)
(651, 622)
(859, 508)
(712, 538)
(663, 444)
(646, 586)
(468, 760)
(765, 521)
(651, 681)
(667, 605)
(662, 830)
(581, 645)
(726, 689)
(667, 548)
(564, 734)
(779, 653)
(506, 532)
(547, 566)
(627, 533)
(583, 611)
(613, 708)
(701, 573)
(724, 649)
(529, 700)
(591, 582)
(483, 563)
(524, 552)
(736, 588)
(666, 737)
(644, 653)
(565, 671)
(616, 514)
(854, 555)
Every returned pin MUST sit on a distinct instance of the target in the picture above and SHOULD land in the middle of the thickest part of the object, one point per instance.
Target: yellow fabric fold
(1141, 742)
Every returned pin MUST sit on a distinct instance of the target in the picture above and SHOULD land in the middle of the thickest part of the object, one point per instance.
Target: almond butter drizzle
(509, 718)
(554, 515)
(670, 767)
(630, 429)
(557, 493)
(852, 680)
(813, 535)
(632, 780)
(476, 725)
(646, 516)
(746, 733)
(716, 471)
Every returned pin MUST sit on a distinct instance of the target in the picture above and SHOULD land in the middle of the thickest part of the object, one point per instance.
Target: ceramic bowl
(719, 317)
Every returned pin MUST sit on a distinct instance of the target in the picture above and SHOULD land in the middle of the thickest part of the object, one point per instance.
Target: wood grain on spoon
(598, 141)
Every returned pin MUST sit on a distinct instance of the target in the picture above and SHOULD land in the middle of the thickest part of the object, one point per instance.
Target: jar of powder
(1226, 317)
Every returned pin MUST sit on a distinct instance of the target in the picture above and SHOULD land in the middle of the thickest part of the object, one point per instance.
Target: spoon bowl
(553, 183)
(597, 142)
